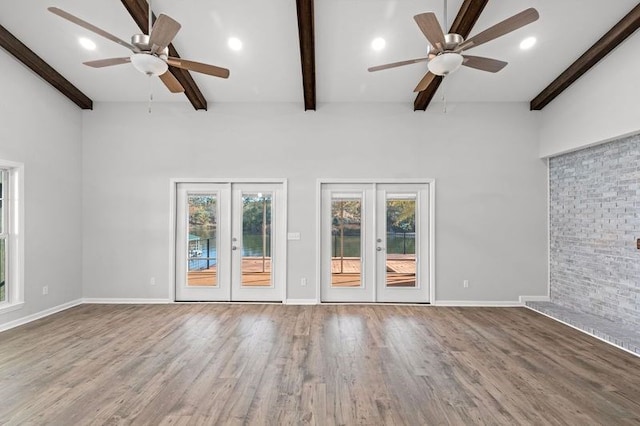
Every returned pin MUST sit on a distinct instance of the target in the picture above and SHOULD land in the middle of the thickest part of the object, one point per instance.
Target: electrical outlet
(45, 290)
(303, 282)
(465, 283)
(152, 281)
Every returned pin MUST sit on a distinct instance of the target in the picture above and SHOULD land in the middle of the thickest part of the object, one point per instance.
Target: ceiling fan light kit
(149, 64)
(445, 63)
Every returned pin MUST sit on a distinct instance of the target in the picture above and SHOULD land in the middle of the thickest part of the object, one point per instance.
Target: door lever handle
(379, 248)
(234, 248)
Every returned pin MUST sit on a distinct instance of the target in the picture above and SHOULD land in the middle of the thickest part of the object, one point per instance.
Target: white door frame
(432, 191)
(173, 186)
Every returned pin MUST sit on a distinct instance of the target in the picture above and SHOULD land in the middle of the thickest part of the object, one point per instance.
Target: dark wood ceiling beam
(139, 11)
(466, 18)
(25, 55)
(616, 35)
(306, 35)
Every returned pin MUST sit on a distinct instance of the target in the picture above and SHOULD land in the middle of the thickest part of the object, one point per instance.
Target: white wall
(490, 201)
(602, 105)
(42, 129)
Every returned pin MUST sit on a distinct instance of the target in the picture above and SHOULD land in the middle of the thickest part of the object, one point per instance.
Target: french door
(375, 242)
(229, 242)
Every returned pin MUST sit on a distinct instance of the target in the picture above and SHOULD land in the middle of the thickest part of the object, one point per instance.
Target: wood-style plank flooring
(206, 364)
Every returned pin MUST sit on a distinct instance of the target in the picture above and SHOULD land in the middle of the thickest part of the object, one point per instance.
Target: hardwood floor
(208, 364)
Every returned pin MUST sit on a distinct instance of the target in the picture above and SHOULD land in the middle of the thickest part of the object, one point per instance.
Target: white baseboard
(478, 303)
(126, 301)
(525, 299)
(301, 302)
(584, 331)
(38, 315)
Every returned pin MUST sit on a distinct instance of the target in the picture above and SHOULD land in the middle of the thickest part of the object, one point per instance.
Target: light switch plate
(293, 236)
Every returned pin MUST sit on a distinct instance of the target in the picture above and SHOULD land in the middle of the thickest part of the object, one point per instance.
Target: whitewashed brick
(594, 223)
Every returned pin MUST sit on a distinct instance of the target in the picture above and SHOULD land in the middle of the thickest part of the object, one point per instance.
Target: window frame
(13, 234)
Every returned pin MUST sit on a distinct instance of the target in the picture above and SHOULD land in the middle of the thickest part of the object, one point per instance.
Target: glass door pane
(401, 241)
(202, 253)
(346, 242)
(256, 239)
(402, 237)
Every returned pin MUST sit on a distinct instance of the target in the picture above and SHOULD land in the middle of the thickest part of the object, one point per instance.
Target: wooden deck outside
(401, 272)
(252, 274)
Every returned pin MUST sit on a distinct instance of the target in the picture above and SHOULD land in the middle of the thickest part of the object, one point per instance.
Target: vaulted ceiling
(334, 37)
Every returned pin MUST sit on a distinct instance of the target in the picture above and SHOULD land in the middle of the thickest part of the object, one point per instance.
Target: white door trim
(173, 187)
(431, 182)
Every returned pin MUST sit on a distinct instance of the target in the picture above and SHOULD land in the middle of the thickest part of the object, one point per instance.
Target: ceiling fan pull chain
(444, 98)
(150, 94)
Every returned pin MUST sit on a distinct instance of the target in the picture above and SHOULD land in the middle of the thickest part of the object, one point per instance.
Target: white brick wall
(594, 224)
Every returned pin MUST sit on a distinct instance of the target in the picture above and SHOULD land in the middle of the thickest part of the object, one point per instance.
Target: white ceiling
(267, 69)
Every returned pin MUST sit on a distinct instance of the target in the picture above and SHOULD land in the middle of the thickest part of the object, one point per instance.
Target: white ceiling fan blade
(84, 24)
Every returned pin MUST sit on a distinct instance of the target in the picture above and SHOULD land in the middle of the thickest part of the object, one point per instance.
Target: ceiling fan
(444, 55)
(150, 52)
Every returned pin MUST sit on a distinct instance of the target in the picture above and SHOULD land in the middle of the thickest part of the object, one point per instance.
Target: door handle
(234, 248)
(379, 248)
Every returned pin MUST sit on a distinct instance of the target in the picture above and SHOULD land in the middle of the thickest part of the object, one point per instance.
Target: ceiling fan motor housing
(141, 41)
(452, 40)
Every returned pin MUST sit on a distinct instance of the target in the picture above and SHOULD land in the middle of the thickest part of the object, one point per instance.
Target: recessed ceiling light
(527, 43)
(86, 43)
(234, 43)
(378, 43)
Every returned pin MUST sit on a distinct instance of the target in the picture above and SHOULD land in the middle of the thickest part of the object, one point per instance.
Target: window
(11, 235)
